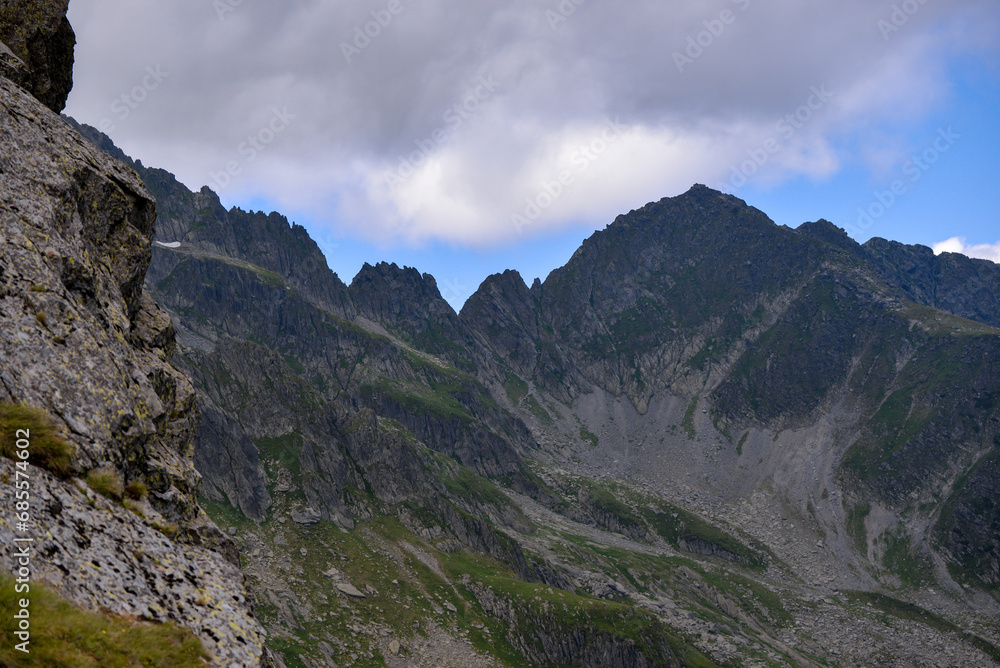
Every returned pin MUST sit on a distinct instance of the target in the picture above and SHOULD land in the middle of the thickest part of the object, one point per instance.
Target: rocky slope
(89, 350)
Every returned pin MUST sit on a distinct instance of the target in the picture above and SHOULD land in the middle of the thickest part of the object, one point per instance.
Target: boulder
(348, 589)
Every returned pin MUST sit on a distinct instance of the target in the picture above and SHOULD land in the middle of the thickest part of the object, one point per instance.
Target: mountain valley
(675, 424)
(706, 440)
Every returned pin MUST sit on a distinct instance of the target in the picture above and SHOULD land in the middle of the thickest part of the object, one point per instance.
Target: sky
(468, 138)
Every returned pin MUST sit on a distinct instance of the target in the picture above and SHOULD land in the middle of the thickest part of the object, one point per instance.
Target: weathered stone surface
(305, 516)
(100, 555)
(39, 35)
(82, 341)
(11, 66)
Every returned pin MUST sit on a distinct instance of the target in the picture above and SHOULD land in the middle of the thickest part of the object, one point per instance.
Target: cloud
(957, 245)
(720, 93)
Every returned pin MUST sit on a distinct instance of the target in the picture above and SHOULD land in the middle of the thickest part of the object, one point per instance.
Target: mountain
(836, 352)
(751, 443)
(705, 440)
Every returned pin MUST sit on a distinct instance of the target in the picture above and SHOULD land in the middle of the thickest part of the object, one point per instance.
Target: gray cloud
(397, 91)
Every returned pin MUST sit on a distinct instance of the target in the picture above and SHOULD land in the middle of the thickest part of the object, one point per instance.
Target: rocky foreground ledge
(82, 342)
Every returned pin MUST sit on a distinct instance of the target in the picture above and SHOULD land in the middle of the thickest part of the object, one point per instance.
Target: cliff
(89, 350)
(36, 48)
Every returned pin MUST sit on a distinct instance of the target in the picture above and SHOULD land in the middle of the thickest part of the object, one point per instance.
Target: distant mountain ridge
(692, 347)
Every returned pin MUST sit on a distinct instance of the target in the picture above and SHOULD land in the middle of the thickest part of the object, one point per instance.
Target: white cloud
(355, 121)
(957, 245)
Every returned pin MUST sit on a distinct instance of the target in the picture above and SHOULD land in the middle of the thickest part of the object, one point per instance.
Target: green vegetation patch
(856, 526)
(589, 437)
(107, 483)
(515, 388)
(65, 636)
(466, 485)
(940, 323)
(546, 611)
(969, 543)
(285, 450)
(603, 503)
(742, 442)
(437, 400)
(20, 423)
(294, 364)
(752, 596)
(688, 421)
(895, 423)
(537, 410)
(224, 514)
(913, 568)
(675, 524)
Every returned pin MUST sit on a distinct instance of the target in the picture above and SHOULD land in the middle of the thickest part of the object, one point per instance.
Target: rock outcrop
(81, 341)
(101, 556)
(36, 48)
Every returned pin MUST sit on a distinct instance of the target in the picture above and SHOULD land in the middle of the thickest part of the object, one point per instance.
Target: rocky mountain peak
(402, 297)
(964, 286)
(824, 230)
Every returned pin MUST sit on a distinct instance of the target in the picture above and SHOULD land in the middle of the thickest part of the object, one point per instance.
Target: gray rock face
(82, 341)
(505, 318)
(228, 460)
(104, 556)
(967, 287)
(306, 517)
(12, 67)
(408, 300)
(38, 34)
(348, 589)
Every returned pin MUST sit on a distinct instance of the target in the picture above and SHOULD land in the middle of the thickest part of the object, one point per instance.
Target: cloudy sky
(466, 138)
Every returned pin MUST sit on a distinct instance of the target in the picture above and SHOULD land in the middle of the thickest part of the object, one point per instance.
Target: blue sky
(957, 195)
(468, 139)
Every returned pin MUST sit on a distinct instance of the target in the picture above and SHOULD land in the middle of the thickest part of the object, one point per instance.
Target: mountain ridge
(694, 322)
